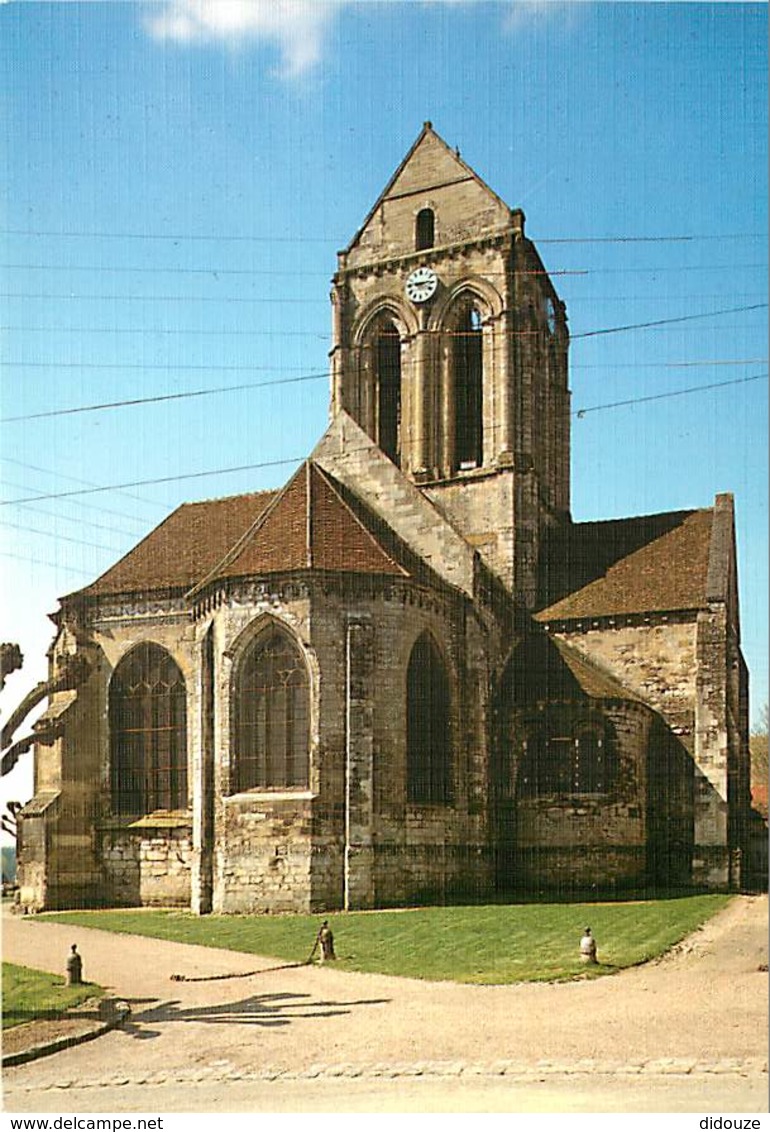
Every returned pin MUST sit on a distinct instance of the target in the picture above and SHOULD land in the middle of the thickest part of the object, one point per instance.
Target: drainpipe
(348, 764)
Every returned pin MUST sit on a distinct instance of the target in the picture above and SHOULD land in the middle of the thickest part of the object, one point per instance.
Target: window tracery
(272, 715)
(148, 733)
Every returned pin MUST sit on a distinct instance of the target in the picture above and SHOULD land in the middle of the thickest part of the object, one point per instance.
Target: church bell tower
(450, 350)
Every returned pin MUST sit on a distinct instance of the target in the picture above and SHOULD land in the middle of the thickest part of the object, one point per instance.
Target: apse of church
(407, 675)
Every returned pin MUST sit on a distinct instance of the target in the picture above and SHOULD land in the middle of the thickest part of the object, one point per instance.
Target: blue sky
(179, 177)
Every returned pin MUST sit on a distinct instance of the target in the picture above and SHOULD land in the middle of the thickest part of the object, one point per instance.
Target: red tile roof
(653, 563)
(184, 547)
(759, 797)
(308, 526)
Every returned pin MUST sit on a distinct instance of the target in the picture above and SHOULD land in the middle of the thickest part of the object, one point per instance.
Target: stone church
(408, 675)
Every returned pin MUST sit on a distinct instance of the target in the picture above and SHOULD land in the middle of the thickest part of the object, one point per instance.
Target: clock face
(421, 285)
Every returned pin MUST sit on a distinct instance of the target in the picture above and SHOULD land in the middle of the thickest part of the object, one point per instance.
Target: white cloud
(296, 27)
(522, 13)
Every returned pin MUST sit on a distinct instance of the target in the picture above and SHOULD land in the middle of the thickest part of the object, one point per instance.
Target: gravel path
(700, 1013)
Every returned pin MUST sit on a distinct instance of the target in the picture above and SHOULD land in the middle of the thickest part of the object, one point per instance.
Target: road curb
(114, 1014)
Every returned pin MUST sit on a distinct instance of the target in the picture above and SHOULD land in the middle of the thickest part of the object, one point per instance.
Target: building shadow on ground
(267, 1010)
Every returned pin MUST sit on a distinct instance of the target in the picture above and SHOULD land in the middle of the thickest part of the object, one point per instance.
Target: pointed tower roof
(430, 170)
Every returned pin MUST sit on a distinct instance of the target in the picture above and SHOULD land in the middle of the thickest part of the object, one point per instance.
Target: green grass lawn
(29, 994)
(489, 944)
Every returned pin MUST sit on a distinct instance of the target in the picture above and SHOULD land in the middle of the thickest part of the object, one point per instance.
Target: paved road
(682, 1035)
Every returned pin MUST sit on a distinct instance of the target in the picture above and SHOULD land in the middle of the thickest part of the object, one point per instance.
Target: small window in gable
(425, 229)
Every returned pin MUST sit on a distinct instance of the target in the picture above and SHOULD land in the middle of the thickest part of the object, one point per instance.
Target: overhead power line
(40, 562)
(187, 331)
(241, 238)
(217, 270)
(22, 363)
(666, 321)
(296, 301)
(76, 479)
(272, 299)
(160, 479)
(154, 269)
(58, 537)
(85, 506)
(198, 237)
(664, 396)
(167, 397)
(81, 522)
(670, 365)
(298, 459)
(439, 332)
(649, 239)
(89, 507)
(264, 299)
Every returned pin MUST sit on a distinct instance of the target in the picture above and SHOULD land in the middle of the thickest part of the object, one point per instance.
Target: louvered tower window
(468, 372)
(388, 363)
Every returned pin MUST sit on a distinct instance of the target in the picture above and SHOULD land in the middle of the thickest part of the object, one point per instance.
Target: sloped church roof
(646, 564)
(307, 525)
(638, 565)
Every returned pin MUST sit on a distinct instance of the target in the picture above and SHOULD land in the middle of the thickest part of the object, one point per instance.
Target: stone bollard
(74, 967)
(588, 947)
(326, 940)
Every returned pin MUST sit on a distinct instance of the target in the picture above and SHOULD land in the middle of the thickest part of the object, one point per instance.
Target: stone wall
(346, 839)
(711, 862)
(482, 506)
(146, 863)
(263, 853)
(655, 658)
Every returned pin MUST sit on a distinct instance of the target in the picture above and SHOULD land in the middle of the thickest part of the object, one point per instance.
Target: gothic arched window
(425, 229)
(387, 360)
(428, 727)
(271, 715)
(148, 733)
(468, 384)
